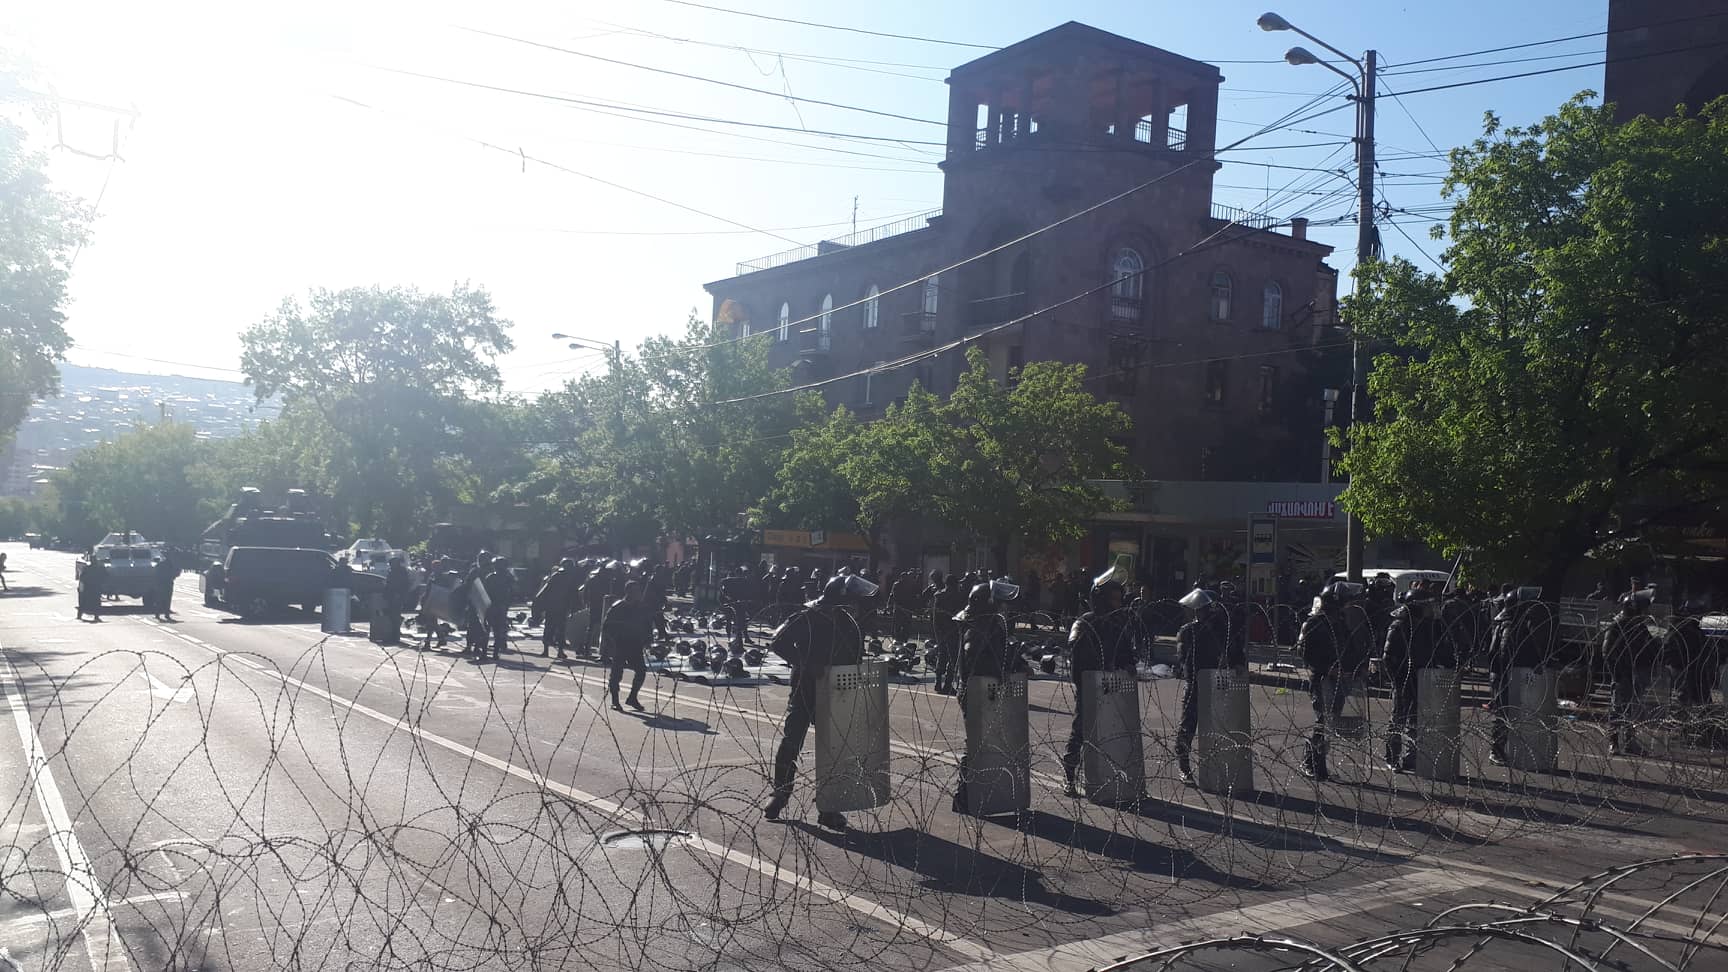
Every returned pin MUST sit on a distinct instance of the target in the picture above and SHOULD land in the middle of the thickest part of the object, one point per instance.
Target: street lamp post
(1364, 96)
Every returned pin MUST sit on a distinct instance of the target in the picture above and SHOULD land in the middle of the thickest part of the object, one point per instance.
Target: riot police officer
(555, 599)
(1521, 636)
(628, 628)
(1414, 641)
(984, 651)
(1632, 655)
(824, 633)
(594, 591)
(501, 587)
(398, 587)
(1201, 644)
(1326, 647)
(1100, 641)
(945, 604)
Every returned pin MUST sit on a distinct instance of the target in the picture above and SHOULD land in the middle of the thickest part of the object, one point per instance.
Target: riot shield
(1114, 761)
(1224, 744)
(852, 737)
(441, 603)
(478, 598)
(1532, 717)
(1437, 722)
(998, 746)
(334, 618)
(1352, 722)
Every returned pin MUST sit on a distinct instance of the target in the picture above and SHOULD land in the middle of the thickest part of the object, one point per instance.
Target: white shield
(852, 737)
(334, 619)
(998, 747)
(1224, 744)
(1532, 715)
(1437, 720)
(1113, 759)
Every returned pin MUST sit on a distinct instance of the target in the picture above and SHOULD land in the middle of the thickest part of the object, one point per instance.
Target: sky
(264, 150)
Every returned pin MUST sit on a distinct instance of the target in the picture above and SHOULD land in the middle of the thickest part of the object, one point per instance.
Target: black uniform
(595, 593)
(162, 576)
(1632, 655)
(501, 587)
(984, 652)
(1331, 653)
(810, 641)
(628, 629)
(91, 580)
(1414, 641)
(557, 595)
(944, 603)
(1098, 642)
(397, 591)
(1693, 660)
(1202, 644)
(1521, 636)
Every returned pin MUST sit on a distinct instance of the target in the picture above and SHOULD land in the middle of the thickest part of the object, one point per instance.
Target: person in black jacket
(1201, 644)
(1324, 642)
(1690, 655)
(1521, 635)
(398, 588)
(557, 595)
(501, 588)
(823, 634)
(1632, 655)
(943, 599)
(162, 575)
(628, 629)
(1100, 641)
(984, 650)
(595, 591)
(1414, 641)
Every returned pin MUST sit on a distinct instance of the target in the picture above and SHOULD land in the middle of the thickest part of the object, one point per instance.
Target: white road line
(162, 690)
(630, 819)
(1287, 912)
(101, 942)
(45, 917)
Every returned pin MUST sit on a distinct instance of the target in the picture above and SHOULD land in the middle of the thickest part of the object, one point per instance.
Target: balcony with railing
(990, 311)
(918, 327)
(859, 238)
(815, 341)
(1124, 310)
(1244, 217)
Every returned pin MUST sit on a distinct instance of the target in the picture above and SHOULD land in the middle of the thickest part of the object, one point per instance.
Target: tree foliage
(1562, 383)
(143, 480)
(1002, 462)
(390, 375)
(40, 230)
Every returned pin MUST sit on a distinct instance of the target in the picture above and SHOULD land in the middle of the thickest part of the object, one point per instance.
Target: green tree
(140, 481)
(1023, 458)
(40, 230)
(1562, 383)
(392, 373)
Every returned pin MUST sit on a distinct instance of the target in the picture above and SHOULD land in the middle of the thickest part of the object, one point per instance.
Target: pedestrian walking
(162, 574)
(501, 588)
(3, 587)
(1325, 644)
(91, 581)
(557, 595)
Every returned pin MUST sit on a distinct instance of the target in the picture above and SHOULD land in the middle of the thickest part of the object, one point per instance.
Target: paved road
(218, 794)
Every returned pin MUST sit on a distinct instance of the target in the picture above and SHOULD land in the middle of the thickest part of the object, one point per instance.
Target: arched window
(1272, 307)
(785, 330)
(872, 312)
(1221, 292)
(931, 295)
(1127, 284)
(827, 321)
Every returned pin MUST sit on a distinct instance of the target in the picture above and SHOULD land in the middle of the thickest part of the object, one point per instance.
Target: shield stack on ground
(852, 737)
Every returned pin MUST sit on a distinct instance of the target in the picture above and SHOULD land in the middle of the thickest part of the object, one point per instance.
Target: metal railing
(1244, 217)
(987, 311)
(918, 326)
(1125, 310)
(859, 238)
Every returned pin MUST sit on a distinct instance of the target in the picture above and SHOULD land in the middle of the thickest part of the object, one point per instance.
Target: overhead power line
(1568, 67)
(778, 95)
(1560, 40)
(849, 30)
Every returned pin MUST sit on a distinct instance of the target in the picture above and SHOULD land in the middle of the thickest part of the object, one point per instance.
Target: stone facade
(1665, 54)
(1211, 349)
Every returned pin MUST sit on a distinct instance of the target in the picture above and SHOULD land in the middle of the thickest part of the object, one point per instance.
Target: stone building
(1665, 54)
(1078, 161)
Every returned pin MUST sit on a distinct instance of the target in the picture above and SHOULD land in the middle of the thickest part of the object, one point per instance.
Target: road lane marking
(1291, 911)
(48, 917)
(95, 919)
(162, 690)
(627, 818)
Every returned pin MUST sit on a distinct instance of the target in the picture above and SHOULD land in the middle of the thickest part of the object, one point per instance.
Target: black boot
(1070, 771)
(831, 819)
(776, 805)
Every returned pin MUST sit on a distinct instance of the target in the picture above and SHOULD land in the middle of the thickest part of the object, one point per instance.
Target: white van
(1402, 577)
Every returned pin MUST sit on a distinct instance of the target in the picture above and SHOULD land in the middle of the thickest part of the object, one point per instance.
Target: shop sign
(1303, 509)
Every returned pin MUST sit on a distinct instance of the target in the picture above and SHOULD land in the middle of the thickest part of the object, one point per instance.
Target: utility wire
(1568, 67)
(1561, 40)
(849, 30)
(694, 77)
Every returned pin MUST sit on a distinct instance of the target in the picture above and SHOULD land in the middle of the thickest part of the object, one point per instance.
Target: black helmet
(1104, 590)
(843, 588)
(1636, 602)
(980, 599)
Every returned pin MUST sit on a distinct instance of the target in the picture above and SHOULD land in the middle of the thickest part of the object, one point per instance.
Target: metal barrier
(852, 737)
(334, 618)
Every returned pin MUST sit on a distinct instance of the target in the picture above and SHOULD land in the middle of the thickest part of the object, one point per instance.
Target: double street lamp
(1363, 84)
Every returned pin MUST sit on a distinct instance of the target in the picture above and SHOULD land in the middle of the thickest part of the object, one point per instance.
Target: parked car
(256, 581)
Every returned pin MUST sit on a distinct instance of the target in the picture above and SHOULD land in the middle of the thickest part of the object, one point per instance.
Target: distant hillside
(99, 403)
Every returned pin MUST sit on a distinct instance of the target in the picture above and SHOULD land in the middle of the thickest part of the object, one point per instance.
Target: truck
(250, 523)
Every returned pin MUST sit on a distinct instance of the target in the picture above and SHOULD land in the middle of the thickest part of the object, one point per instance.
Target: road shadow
(655, 720)
(953, 868)
(1499, 808)
(1271, 837)
(1358, 816)
(1142, 855)
(1672, 789)
(28, 590)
